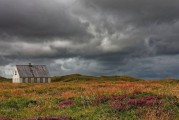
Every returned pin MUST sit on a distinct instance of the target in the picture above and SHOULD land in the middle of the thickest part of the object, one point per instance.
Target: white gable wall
(16, 77)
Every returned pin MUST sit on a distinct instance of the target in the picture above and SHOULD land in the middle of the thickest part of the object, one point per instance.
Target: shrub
(121, 106)
(137, 102)
(66, 103)
(121, 97)
(5, 119)
(101, 99)
(51, 118)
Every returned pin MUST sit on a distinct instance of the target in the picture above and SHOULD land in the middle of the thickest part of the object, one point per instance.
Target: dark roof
(32, 70)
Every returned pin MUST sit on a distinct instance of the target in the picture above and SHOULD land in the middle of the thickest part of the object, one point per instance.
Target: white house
(31, 74)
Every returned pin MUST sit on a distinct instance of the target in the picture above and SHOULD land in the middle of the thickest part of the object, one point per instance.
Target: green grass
(16, 103)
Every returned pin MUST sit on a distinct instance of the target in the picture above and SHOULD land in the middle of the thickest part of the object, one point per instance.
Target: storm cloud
(94, 37)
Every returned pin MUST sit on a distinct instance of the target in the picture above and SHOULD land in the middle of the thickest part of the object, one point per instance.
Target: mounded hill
(2, 79)
(78, 77)
(169, 80)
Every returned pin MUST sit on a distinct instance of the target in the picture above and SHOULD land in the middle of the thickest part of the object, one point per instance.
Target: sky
(138, 38)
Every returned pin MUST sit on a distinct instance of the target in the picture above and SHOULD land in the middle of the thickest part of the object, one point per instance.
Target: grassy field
(77, 97)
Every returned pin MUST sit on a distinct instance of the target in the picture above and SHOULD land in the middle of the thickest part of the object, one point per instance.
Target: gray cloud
(94, 37)
(140, 11)
(39, 19)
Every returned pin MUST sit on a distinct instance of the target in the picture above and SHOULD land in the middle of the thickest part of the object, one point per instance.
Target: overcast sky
(139, 38)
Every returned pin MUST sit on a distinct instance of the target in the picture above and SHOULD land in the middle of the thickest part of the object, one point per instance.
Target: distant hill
(78, 77)
(2, 79)
(170, 80)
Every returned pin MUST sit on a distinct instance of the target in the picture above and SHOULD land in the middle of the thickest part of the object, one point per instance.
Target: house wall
(16, 77)
(49, 80)
(35, 80)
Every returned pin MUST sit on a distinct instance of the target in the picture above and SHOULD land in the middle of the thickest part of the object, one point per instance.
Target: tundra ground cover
(91, 99)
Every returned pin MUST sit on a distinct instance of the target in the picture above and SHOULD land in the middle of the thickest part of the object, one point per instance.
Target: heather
(79, 97)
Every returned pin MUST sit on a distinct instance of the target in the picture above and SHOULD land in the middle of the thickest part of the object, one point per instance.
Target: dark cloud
(140, 11)
(94, 37)
(39, 19)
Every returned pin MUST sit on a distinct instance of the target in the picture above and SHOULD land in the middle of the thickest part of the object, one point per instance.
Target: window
(46, 80)
(41, 80)
(29, 80)
(35, 80)
(23, 80)
(15, 73)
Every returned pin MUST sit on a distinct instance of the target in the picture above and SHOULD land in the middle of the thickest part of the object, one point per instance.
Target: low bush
(135, 100)
(66, 103)
(16, 103)
(51, 118)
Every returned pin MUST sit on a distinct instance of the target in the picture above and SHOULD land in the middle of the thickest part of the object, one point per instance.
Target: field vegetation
(77, 97)
(2, 79)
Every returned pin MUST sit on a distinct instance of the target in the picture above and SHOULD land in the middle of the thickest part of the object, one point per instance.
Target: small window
(46, 80)
(23, 80)
(29, 80)
(15, 72)
(41, 80)
(35, 80)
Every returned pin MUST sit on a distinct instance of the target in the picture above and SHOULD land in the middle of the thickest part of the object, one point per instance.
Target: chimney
(30, 65)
